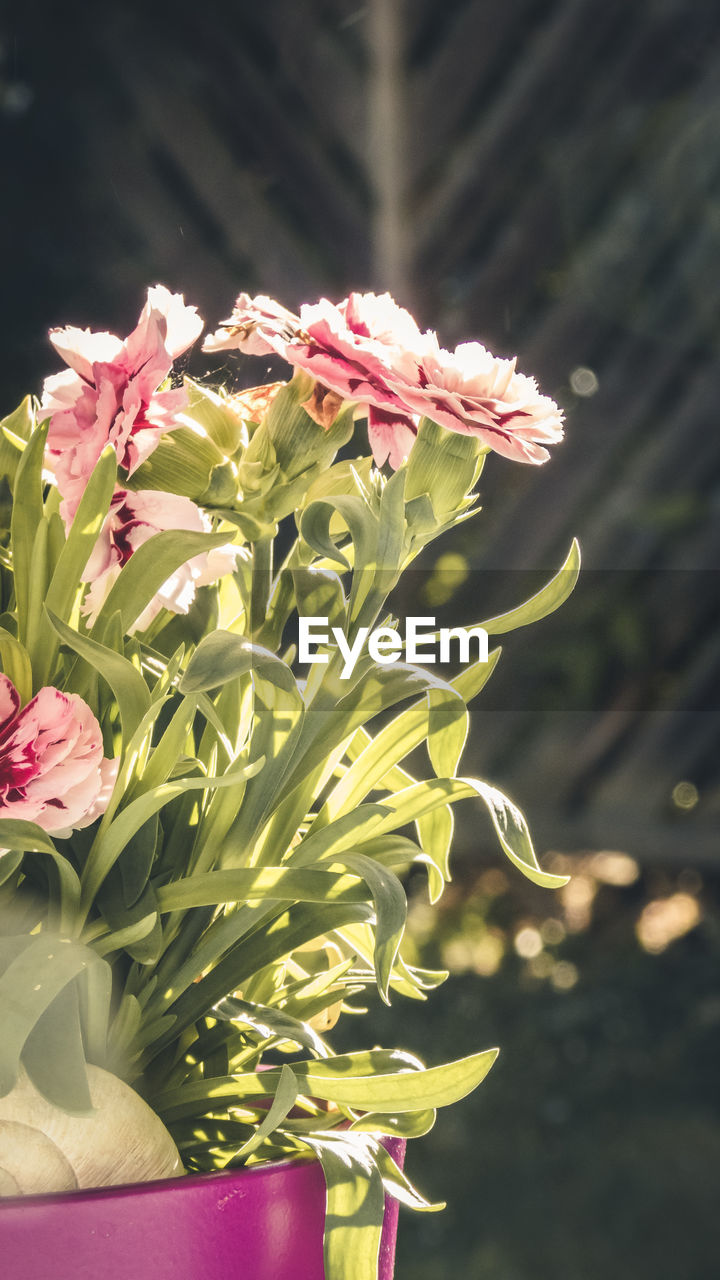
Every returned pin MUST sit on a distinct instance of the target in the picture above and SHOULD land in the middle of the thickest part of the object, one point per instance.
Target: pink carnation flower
(359, 349)
(258, 326)
(132, 519)
(475, 393)
(369, 350)
(52, 769)
(110, 392)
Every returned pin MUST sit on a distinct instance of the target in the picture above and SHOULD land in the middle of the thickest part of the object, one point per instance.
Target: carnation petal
(81, 348)
(391, 437)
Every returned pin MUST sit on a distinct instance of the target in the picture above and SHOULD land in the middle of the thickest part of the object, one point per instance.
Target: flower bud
(445, 465)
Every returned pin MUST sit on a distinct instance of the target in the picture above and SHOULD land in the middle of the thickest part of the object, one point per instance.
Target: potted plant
(204, 837)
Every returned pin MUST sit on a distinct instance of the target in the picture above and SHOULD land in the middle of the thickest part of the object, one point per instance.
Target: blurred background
(544, 176)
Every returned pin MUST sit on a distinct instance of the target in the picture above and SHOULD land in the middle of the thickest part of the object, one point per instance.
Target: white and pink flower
(133, 519)
(52, 768)
(110, 394)
(370, 351)
(359, 349)
(473, 392)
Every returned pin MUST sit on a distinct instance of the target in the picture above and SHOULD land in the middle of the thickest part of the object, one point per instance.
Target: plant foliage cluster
(244, 885)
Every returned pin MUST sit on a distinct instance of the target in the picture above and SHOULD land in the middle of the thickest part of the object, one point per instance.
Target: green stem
(262, 567)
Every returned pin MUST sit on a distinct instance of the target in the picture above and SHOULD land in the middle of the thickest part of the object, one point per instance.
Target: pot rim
(293, 1166)
(186, 1180)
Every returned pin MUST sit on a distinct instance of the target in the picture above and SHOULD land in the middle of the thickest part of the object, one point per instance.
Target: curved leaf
(510, 825)
(109, 844)
(131, 691)
(544, 602)
(271, 1023)
(355, 1205)
(390, 912)
(223, 656)
(16, 664)
(84, 531)
(29, 985)
(26, 516)
(382, 1080)
(148, 568)
(27, 837)
(283, 1102)
(246, 884)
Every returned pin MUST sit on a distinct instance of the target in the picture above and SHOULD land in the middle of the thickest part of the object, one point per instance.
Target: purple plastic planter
(264, 1223)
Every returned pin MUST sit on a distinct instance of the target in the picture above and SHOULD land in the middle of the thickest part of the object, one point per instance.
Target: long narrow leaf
(26, 516)
(241, 885)
(147, 569)
(510, 825)
(27, 837)
(131, 691)
(28, 987)
(381, 1080)
(67, 574)
(110, 843)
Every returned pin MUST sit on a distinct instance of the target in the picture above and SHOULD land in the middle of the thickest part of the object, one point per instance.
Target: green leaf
(435, 833)
(83, 534)
(390, 911)
(406, 1124)
(513, 834)
(404, 1089)
(283, 1102)
(315, 529)
(29, 985)
(391, 524)
(9, 863)
(165, 754)
(26, 516)
(137, 860)
(355, 1207)
(39, 568)
(148, 568)
(223, 656)
(346, 832)
(447, 729)
(274, 883)
(53, 1055)
(26, 837)
(399, 853)
(271, 1023)
(395, 1181)
(126, 938)
(278, 719)
(16, 664)
(67, 575)
(110, 842)
(95, 989)
(510, 825)
(543, 602)
(471, 680)
(131, 691)
(382, 1080)
(15, 431)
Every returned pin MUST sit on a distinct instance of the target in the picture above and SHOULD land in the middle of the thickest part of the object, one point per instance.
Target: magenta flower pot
(264, 1223)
